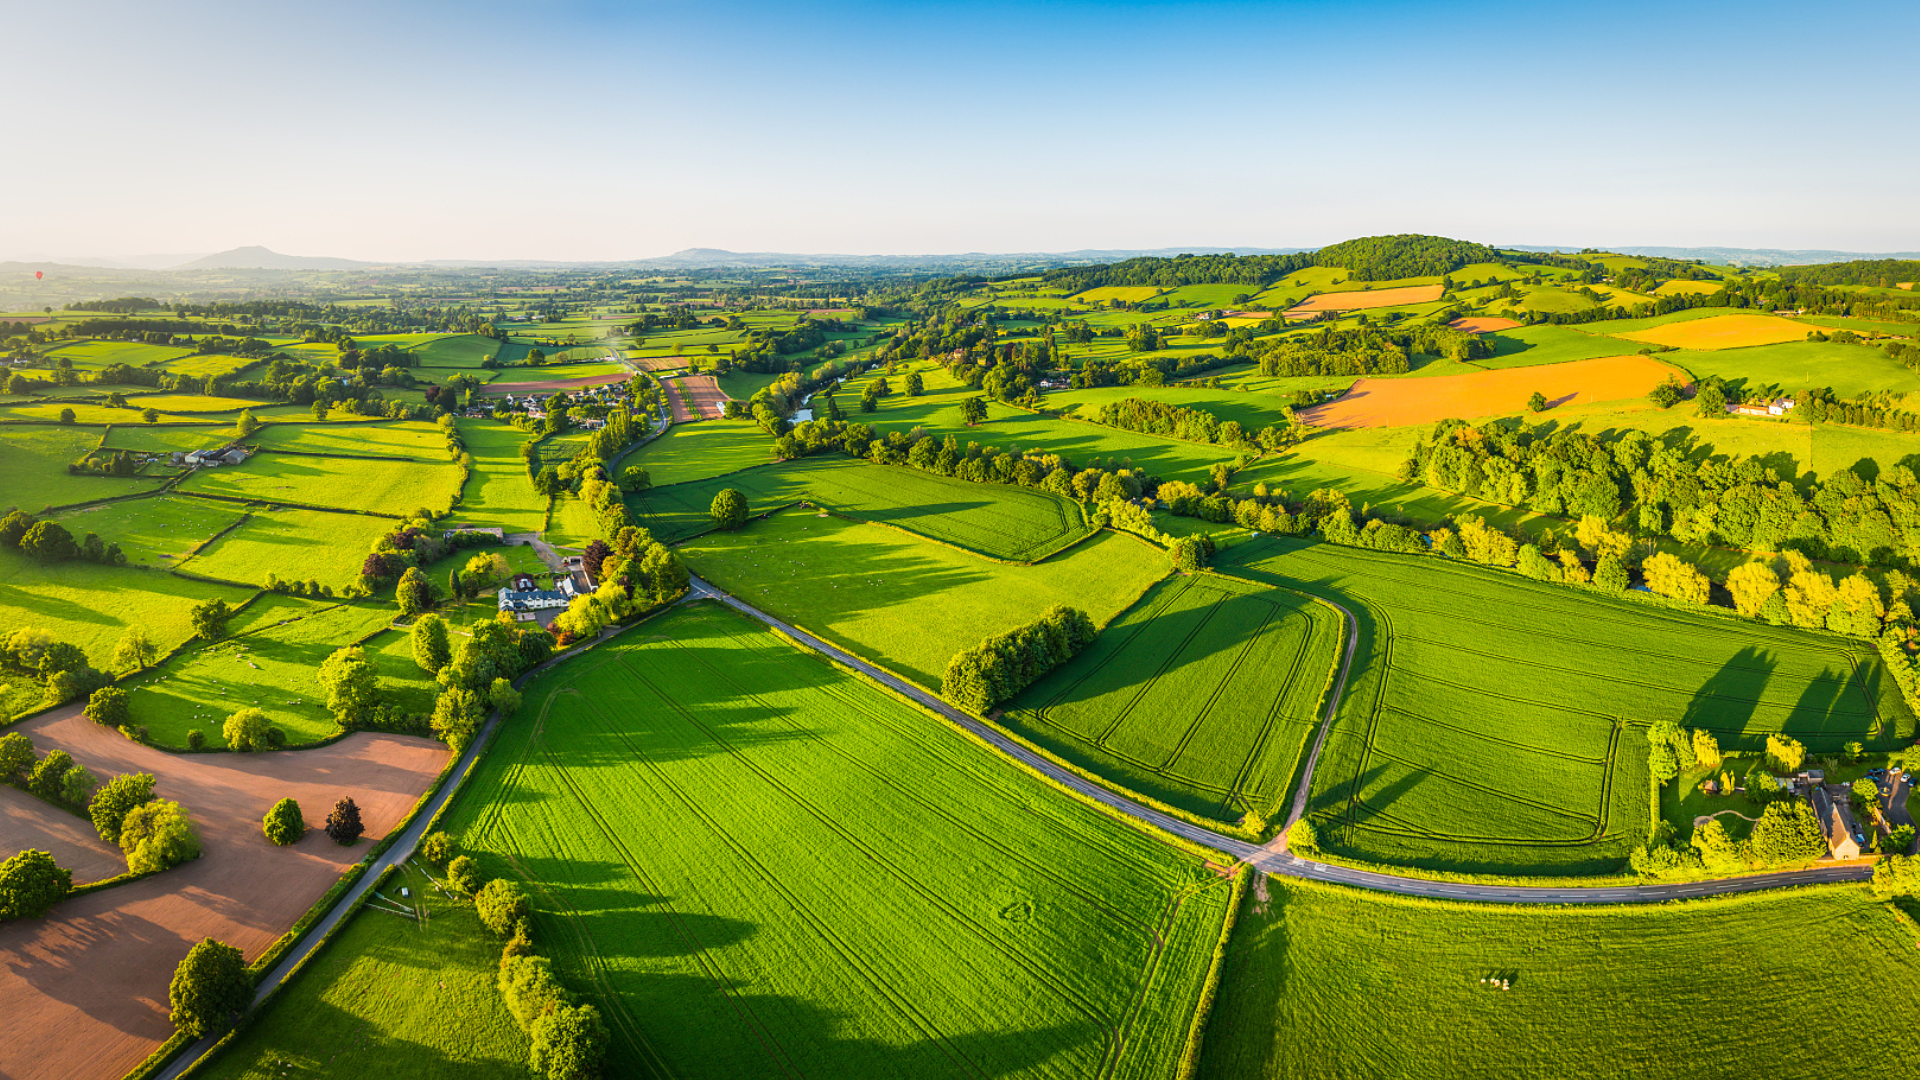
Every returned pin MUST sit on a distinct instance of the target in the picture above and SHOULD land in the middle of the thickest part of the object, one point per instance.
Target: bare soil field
(1483, 324)
(1394, 402)
(90, 979)
(27, 822)
(1722, 332)
(709, 401)
(1364, 298)
(548, 386)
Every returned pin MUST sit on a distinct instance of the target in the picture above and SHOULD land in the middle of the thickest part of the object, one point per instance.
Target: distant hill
(1731, 256)
(259, 258)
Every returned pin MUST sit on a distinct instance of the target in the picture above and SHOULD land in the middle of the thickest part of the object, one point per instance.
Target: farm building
(1843, 838)
(1778, 407)
(494, 531)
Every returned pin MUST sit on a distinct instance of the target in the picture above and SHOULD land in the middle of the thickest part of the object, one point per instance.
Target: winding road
(1273, 858)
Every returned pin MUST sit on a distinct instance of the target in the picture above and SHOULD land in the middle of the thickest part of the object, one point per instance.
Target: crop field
(100, 354)
(457, 351)
(193, 403)
(902, 602)
(1494, 723)
(1398, 402)
(387, 487)
(1203, 695)
(760, 864)
(1131, 294)
(391, 438)
(204, 364)
(293, 544)
(269, 663)
(1483, 324)
(1363, 299)
(547, 372)
(999, 521)
(34, 460)
(160, 531)
(1677, 287)
(498, 492)
(1722, 332)
(1327, 982)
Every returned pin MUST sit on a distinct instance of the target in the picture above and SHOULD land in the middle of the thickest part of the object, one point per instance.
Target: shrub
(284, 824)
(529, 989)
(16, 756)
(49, 773)
(246, 730)
(112, 803)
(158, 835)
(729, 508)
(569, 1043)
(209, 987)
(343, 824)
(77, 786)
(437, 848)
(108, 706)
(196, 739)
(501, 904)
(30, 883)
(276, 739)
(464, 874)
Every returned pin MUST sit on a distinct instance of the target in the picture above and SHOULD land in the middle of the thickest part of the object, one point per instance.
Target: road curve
(1274, 858)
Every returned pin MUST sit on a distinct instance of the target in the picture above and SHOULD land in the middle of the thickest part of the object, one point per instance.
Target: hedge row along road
(1273, 858)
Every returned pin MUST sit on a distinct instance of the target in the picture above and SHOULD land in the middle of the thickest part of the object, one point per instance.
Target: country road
(1274, 858)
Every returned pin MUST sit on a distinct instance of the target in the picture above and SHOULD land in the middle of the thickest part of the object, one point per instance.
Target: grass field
(160, 531)
(385, 487)
(34, 461)
(389, 996)
(1847, 370)
(557, 371)
(166, 437)
(759, 864)
(295, 544)
(498, 492)
(100, 354)
(386, 439)
(1496, 724)
(1530, 345)
(457, 351)
(1722, 332)
(1323, 983)
(996, 520)
(269, 663)
(697, 451)
(1202, 695)
(1252, 410)
(905, 603)
(1131, 294)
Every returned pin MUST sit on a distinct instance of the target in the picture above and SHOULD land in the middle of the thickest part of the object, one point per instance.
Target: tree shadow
(1725, 703)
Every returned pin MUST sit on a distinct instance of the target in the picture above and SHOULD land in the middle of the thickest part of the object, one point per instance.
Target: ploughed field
(1393, 402)
(760, 864)
(1492, 723)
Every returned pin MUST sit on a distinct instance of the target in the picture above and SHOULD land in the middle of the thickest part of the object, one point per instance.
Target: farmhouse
(1778, 407)
(1836, 820)
(526, 604)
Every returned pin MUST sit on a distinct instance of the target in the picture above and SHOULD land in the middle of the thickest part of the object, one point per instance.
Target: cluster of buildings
(1775, 408)
(528, 602)
(224, 455)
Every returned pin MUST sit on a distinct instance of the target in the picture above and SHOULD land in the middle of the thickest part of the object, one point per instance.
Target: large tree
(49, 541)
(30, 883)
(158, 835)
(246, 730)
(414, 594)
(729, 508)
(351, 683)
(210, 619)
(431, 645)
(111, 804)
(210, 987)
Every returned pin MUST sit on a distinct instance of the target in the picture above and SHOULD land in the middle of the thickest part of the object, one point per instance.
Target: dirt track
(548, 386)
(708, 399)
(1394, 402)
(90, 979)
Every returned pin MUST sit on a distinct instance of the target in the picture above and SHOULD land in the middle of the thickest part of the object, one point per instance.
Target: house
(1710, 787)
(1836, 821)
(526, 604)
(524, 583)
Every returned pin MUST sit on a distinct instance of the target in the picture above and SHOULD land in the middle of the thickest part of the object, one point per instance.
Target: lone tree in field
(351, 683)
(210, 987)
(30, 883)
(729, 509)
(343, 824)
(501, 904)
(973, 411)
(414, 593)
(108, 706)
(431, 646)
(1537, 403)
(283, 824)
(437, 848)
(246, 730)
(210, 619)
(157, 836)
(151, 416)
(135, 650)
(464, 874)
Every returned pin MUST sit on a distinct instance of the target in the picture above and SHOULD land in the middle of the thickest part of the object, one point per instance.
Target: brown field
(1395, 402)
(548, 386)
(1366, 298)
(26, 822)
(1722, 332)
(90, 979)
(1484, 324)
(708, 399)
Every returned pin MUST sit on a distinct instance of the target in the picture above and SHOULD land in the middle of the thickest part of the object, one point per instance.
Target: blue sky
(557, 129)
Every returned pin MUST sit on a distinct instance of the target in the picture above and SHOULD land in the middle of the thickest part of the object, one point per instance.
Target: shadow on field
(1725, 703)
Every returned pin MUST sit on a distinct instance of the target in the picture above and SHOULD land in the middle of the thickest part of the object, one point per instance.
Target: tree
(1710, 400)
(77, 787)
(635, 478)
(30, 883)
(108, 706)
(49, 773)
(457, 713)
(1668, 576)
(320, 410)
(1537, 403)
(1751, 584)
(1788, 831)
(49, 541)
(1191, 553)
(67, 416)
(437, 848)
(464, 874)
(501, 903)
(504, 697)
(343, 824)
(16, 756)
(1898, 875)
(284, 824)
(151, 416)
(210, 619)
(1664, 740)
(1786, 753)
(915, 386)
(431, 647)
(246, 730)
(569, 1043)
(158, 835)
(414, 593)
(1719, 852)
(112, 803)
(209, 988)
(351, 683)
(729, 509)
(135, 651)
(973, 411)
(1706, 749)
(14, 526)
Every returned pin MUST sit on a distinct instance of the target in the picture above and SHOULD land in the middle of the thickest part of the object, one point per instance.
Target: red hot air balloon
(38, 274)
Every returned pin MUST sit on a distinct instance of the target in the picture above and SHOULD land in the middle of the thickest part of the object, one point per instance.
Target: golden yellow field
(1671, 288)
(1364, 298)
(1132, 294)
(1722, 332)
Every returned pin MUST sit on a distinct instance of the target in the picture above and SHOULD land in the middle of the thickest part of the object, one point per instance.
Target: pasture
(1721, 332)
(902, 602)
(166, 438)
(1253, 411)
(100, 354)
(1493, 723)
(1127, 294)
(1202, 695)
(159, 531)
(697, 451)
(1847, 370)
(456, 351)
(1328, 982)
(498, 491)
(391, 438)
(1529, 346)
(1398, 402)
(295, 544)
(549, 372)
(360, 484)
(34, 460)
(758, 863)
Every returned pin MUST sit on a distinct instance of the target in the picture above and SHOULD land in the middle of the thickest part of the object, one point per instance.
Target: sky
(555, 129)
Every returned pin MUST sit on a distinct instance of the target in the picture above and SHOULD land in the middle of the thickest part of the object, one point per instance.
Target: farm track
(1274, 858)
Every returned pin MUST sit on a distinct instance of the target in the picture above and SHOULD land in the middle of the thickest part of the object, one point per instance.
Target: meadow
(498, 491)
(294, 544)
(557, 371)
(389, 995)
(361, 484)
(1847, 370)
(1493, 723)
(1202, 695)
(1325, 982)
(697, 451)
(757, 863)
(100, 354)
(371, 439)
(1253, 411)
(165, 438)
(160, 531)
(269, 662)
(34, 460)
(906, 604)
(457, 351)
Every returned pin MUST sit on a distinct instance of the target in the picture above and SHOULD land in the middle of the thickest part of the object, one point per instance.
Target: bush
(48, 776)
(501, 904)
(276, 739)
(343, 824)
(464, 874)
(284, 824)
(158, 835)
(30, 883)
(16, 756)
(437, 848)
(569, 1043)
(196, 739)
(108, 706)
(209, 988)
(729, 508)
(112, 803)
(529, 988)
(246, 730)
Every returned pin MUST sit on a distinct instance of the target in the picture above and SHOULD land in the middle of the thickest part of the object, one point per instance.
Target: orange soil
(708, 399)
(26, 822)
(89, 980)
(1723, 332)
(1484, 324)
(1371, 298)
(548, 386)
(1395, 402)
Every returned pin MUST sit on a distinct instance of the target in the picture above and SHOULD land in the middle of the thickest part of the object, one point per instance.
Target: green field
(1252, 410)
(127, 435)
(1492, 723)
(294, 544)
(498, 492)
(547, 372)
(269, 663)
(759, 864)
(367, 484)
(697, 451)
(34, 461)
(159, 531)
(1527, 346)
(100, 354)
(390, 995)
(902, 602)
(425, 442)
(1847, 370)
(1203, 695)
(1323, 982)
